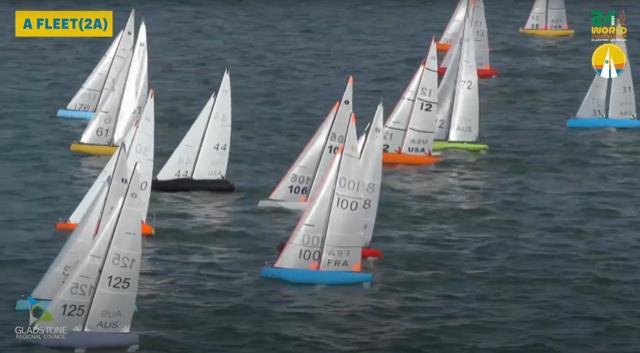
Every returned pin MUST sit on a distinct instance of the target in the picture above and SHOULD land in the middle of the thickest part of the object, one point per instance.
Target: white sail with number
(466, 111)
(87, 97)
(622, 98)
(454, 27)
(556, 15)
(371, 175)
(203, 152)
(136, 88)
(480, 36)
(446, 93)
(91, 224)
(342, 245)
(117, 286)
(396, 125)
(296, 183)
(538, 16)
(100, 130)
(70, 305)
(421, 129)
(304, 246)
(594, 103)
(337, 132)
(211, 162)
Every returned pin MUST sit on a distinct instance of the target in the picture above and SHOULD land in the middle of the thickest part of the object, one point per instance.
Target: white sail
(421, 130)
(609, 68)
(396, 125)
(296, 183)
(74, 249)
(182, 161)
(371, 175)
(111, 309)
(454, 27)
(336, 133)
(622, 98)
(304, 247)
(342, 248)
(538, 16)
(87, 97)
(141, 151)
(446, 92)
(481, 36)
(100, 130)
(465, 115)
(211, 162)
(136, 88)
(70, 305)
(91, 224)
(557, 15)
(594, 103)
(92, 194)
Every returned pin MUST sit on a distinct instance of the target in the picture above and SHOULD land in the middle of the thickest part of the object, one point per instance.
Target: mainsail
(465, 115)
(454, 27)
(421, 128)
(87, 97)
(136, 88)
(203, 152)
(100, 130)
(371, 175)
(446, 92)
(538, 16)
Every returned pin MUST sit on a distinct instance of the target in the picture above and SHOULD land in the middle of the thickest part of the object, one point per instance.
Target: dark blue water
(532, 247)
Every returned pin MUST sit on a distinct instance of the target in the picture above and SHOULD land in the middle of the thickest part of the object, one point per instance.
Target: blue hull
(302, 276)
(23, 304)
(595, 123)
(75, 114)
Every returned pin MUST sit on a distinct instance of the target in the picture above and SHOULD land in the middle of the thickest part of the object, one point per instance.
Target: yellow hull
(548, 32)
(87, 148)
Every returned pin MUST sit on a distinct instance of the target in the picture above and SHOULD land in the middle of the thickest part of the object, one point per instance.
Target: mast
(204, 133)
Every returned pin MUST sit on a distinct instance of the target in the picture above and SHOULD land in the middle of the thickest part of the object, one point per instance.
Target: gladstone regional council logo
(609, 60)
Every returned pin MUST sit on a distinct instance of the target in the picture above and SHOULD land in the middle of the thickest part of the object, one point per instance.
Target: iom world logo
(608, 60)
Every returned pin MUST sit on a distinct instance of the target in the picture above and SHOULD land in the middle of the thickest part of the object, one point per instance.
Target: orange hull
(482, 73)
(147, 229)
(408, 159)
(442, 47)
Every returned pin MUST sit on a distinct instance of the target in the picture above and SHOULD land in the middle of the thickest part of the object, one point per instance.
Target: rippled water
(532, 247)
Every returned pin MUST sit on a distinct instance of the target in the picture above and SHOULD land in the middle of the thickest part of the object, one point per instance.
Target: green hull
(446, 145)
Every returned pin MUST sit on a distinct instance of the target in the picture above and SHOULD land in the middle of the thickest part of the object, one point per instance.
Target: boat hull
(447, 145)
(442, 47)
(92, 340)
(370, 253)
(548, 32)
(408, 159)
(147, 229)
(179, 185)
(88, 148)
(488, 72)
(289, 205)
(74, 114)
(599, 123)
(304, 276)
